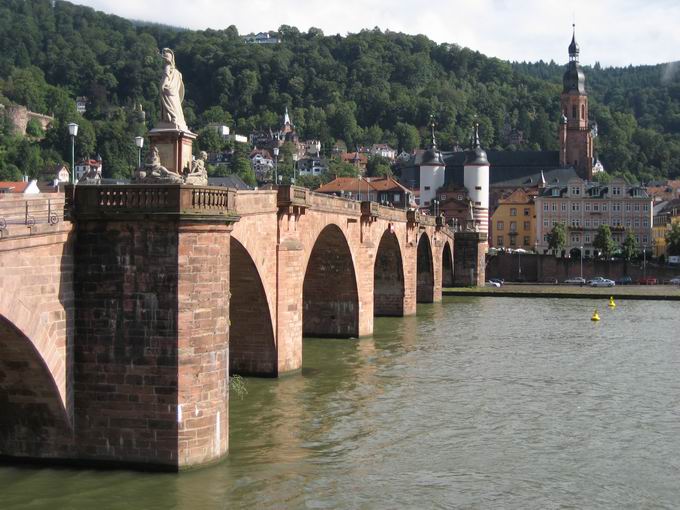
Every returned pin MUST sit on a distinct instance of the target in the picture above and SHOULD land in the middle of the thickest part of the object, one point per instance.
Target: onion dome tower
(432, 170)
(476, 180)
(576, 140)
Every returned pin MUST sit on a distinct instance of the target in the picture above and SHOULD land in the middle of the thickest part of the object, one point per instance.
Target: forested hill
(364, 88)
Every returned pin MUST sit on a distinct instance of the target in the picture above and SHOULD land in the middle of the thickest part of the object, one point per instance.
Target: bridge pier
(152, 324)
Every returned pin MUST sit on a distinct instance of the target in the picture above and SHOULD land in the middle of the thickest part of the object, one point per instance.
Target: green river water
(473, 403)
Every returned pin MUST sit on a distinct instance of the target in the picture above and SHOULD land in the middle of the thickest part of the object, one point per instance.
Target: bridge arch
(388, 277)
(33, 416)
(252, 348)
(330, 296)
(424, 270)
(447, 265)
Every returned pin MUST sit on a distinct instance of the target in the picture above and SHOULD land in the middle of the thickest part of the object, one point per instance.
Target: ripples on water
(477, 402)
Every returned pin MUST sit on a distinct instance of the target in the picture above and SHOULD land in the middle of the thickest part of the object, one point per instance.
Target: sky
(612, 32)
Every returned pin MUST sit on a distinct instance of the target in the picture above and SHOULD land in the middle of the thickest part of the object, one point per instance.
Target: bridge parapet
(254, 202)
(116, 201)
(20, 215)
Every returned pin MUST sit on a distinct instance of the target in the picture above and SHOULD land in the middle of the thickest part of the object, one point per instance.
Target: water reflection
(476, 402)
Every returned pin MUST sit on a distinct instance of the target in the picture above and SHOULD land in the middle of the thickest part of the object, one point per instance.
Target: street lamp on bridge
(73, 131)
(139, 142)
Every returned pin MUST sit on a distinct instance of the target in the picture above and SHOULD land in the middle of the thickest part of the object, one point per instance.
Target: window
(616, 190)
(478, 203)
(575, 206)
(587, 223)
(513, 211)
(499, 241)
(575, 190)
(427, 188)
(587, 238)
(574, 112)
(478, 188)
(645, 207)
(644, 240)
(637, 222)
(526, 211)
(636, 207)
(587, 206)
(583, 111)
(596, 223)
(627, 207)
(554, 206)
(513, 226)
(575, 239)
(545, 206)
(512, 241)
(564, 206)
(556, 192)
(645, 222)
(575, 222)
(628, 222)
(545, 223)
(527, 225)
(526, 240)
(616, 207)
(553, 222)
(499, 225)
(442, 197)
(460, 197)
(596, 207)
(397, 197)
(604, 207)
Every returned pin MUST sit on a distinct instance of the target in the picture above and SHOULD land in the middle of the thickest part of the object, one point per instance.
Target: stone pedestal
(469, 261)
(174, 147)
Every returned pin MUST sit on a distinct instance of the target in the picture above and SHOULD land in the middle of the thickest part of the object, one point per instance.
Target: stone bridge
(119, 327)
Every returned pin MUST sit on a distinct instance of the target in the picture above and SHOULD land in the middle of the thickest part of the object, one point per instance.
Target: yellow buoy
(595, 316)
(611, 302)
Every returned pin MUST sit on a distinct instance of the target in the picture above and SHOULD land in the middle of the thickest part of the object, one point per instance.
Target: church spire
(574, 49)
(433, 140)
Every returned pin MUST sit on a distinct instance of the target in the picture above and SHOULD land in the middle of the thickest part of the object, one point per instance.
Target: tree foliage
(629, 247)
(557, 238)
(603, 242)
(673, 239)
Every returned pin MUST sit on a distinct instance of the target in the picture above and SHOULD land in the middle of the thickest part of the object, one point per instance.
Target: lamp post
(139, 142)
(276, 165)
(73, 131)
(644, 262)
(582, 262)
(519, 266)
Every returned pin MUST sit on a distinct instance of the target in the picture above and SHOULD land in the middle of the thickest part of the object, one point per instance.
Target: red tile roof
(16, 187)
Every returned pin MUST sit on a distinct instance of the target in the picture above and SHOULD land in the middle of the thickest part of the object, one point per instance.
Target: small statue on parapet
(154, 172)
(198, 175)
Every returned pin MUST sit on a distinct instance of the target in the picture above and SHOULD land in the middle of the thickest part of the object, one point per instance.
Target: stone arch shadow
(388, 278)
(447, 265)
(424, 270)
(330, 297)
(252, 347)
(34, 421)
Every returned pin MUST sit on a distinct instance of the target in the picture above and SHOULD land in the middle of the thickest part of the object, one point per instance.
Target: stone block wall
(469, 264)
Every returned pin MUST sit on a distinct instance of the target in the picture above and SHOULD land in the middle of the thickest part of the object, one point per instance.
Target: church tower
(575, 137)
(432, 171)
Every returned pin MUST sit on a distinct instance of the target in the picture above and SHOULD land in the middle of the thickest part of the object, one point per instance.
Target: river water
(473, 403)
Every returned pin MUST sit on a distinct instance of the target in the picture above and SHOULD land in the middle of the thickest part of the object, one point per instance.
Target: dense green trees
(557, 238)
(603, 242)
(365, 88)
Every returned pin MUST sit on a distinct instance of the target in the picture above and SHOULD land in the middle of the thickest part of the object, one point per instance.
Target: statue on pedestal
(172, 93)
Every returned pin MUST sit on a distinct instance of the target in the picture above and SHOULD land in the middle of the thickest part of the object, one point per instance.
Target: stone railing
(294, 196)
(20, 215)
(197, 202)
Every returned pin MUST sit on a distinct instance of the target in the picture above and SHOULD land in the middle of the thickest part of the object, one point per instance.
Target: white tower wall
(476, 180)
(432, 178)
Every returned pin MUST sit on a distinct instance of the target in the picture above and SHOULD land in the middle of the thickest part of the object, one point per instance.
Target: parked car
(648, 280)
(674, 281)
(577, 280)
(491, 283)
(602, 282)
(624, 280)
(499, 281)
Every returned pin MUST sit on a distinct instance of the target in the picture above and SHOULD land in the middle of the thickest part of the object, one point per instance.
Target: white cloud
(613, 32)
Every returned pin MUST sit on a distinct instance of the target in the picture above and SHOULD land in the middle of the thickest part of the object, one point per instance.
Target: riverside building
(583, 206)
